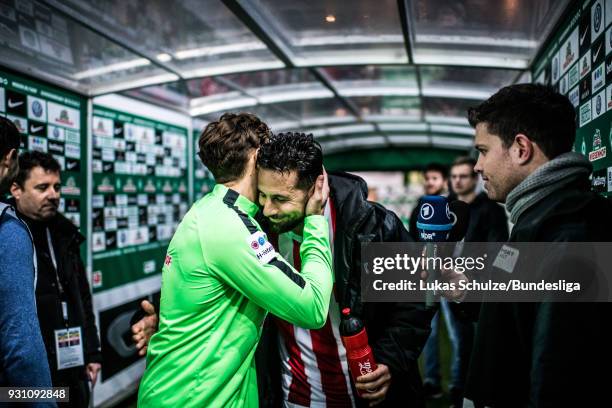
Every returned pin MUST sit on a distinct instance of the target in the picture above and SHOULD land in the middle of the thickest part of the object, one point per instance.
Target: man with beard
(221, 277)
(310, 369)
(63, 297)
(435, 182)
(313, 362)
(23, 361)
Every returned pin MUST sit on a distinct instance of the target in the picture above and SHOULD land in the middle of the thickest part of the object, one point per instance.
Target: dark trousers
(76, 379)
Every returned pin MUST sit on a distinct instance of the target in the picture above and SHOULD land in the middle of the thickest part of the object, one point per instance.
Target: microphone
(435, 220)
(439, 221)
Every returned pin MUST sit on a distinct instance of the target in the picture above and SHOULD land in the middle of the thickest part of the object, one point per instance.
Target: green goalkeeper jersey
(220, 277)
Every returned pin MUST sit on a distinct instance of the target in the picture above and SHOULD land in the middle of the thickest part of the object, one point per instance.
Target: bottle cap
(346, 311)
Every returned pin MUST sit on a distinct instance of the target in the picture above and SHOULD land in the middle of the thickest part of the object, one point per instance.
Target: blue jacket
(23, 360)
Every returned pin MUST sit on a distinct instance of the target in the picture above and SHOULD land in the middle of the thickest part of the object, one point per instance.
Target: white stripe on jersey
(303, 336)
(304, 341)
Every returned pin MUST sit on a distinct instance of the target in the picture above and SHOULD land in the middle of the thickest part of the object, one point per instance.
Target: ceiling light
(445, 141)
(360, 128)
(219, 50)
(107, 69)
(461, 93)
(441, 119)
(163, 57)
(295, 95)
(133, 83)
(225, 68)
(374, 90)
(459, 130)
(403, 127)
(243, 102)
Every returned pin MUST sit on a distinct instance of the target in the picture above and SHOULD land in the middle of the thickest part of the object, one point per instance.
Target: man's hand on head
(146, 327)
(320, 194)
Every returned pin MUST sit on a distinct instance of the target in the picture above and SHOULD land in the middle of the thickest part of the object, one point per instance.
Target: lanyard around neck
(54, 261)
(57, 278)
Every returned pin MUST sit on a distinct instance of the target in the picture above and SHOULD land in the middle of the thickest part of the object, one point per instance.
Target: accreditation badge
(506, 258)
(69, 348)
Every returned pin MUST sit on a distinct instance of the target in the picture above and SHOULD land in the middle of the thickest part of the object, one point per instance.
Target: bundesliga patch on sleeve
(261, 246)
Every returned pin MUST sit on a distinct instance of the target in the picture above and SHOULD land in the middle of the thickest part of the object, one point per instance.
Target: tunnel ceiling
(364, 74)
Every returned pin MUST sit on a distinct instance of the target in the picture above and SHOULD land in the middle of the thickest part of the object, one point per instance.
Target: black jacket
(547, 354)
(66, 240)
(397, 331)
(488, 221)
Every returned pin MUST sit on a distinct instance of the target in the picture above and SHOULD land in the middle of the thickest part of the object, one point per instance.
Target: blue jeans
(460, 335)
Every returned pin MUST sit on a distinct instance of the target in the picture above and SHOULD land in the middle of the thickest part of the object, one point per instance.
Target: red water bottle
(355, 340)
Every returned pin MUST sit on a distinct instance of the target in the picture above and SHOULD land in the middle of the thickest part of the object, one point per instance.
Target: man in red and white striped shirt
(308, 368)
(314, 369)
(313, 362)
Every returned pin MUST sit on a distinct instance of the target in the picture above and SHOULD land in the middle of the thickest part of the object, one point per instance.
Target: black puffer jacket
(547, 354)
(397, 331)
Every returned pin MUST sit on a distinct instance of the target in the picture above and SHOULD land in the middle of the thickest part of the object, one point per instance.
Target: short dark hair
(285, 152)
(225, 144)
(461, 160)
(29, 160)
(9, 137)
(545, 116)
(437, 168)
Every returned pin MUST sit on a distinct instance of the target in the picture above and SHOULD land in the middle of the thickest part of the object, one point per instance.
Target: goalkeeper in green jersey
(221, 276)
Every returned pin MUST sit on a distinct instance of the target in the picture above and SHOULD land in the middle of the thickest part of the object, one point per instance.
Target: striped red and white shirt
(314, 368)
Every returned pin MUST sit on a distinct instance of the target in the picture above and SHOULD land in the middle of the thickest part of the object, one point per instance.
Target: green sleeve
(262, 275)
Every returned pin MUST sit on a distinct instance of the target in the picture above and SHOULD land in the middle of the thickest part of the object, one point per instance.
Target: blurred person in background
(487, 223)
(63, 296)
(435, 182)
(488, 220)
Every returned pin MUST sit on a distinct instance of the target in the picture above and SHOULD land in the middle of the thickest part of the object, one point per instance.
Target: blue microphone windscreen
(434, 220)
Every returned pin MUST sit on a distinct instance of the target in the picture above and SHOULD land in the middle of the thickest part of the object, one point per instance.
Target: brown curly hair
(225, 144)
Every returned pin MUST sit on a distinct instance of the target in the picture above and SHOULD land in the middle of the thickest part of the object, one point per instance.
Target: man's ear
(252, 160)
(8, 159)
(16, 191)
(522, 149)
